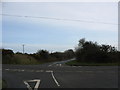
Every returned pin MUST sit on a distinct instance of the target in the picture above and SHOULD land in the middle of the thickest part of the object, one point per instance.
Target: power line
(76, 20)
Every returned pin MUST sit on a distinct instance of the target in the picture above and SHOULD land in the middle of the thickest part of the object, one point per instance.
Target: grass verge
(0, 84)
(4, 84)
(77, 63)
(22, 60)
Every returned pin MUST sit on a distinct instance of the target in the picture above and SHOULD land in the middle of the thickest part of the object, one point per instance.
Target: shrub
(88, 51)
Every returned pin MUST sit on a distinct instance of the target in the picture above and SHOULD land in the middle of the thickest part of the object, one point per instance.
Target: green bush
(7, 56)
(88, 51)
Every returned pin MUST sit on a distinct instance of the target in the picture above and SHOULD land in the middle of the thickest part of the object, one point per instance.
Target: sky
(58, 35)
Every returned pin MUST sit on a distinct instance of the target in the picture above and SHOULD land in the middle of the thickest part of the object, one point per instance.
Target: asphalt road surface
(58, 75)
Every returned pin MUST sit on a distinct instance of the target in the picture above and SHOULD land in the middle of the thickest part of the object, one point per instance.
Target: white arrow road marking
(55, 79)
(36, 86)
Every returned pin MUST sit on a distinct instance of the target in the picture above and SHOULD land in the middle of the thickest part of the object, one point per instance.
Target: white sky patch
(0, 26)
(60, 1)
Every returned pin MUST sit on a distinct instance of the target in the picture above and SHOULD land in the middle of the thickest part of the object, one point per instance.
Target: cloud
(90, 11)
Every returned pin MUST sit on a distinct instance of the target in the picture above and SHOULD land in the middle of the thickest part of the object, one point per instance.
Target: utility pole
(23, 48)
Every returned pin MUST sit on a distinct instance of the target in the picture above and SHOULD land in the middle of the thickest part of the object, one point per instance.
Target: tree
(7, 52)
(88, 51)
(43, 54)
(81, 42)
(7, 56)
(69, 53)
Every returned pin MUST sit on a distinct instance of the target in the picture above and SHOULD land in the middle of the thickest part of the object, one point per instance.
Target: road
(58, 75)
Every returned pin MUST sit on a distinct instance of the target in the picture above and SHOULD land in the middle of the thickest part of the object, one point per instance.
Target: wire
(76, 20)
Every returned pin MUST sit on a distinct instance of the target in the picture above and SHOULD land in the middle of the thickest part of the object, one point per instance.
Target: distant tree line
(41, 55)
(86, 51)
(45, 55)
(91, 52)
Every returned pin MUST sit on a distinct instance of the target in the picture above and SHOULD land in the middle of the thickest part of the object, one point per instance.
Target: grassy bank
(40, 57)
(77, 63)
(21, 59)
(25, 59)
(0, 84)
(3, 84)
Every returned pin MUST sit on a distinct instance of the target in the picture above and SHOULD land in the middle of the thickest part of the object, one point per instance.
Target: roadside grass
(24, 60)
(3, 84)
(77, 63)
(0, 84)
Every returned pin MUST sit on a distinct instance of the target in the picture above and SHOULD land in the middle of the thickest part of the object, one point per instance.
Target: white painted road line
(28, 86)
(39, 70)
(60, 64)
(55, 79)
(36, 86)
(7, 69)
(49, 65)
(22, 70)
(48, 71)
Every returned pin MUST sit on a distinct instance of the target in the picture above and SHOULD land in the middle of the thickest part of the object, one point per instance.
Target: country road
(58, 75)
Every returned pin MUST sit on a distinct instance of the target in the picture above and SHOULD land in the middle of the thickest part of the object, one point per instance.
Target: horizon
(53, 51)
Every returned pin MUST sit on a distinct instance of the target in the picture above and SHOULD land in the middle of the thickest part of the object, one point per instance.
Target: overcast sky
(58, 35)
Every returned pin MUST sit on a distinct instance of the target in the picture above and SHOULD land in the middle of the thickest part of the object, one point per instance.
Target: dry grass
(24, 59)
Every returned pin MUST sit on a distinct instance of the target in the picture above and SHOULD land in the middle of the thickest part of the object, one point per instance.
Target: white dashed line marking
(49, 65)
(39, 70)
(88, 71)
(7, 69)
(60, 64)
(48, 71)
(22, 70)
